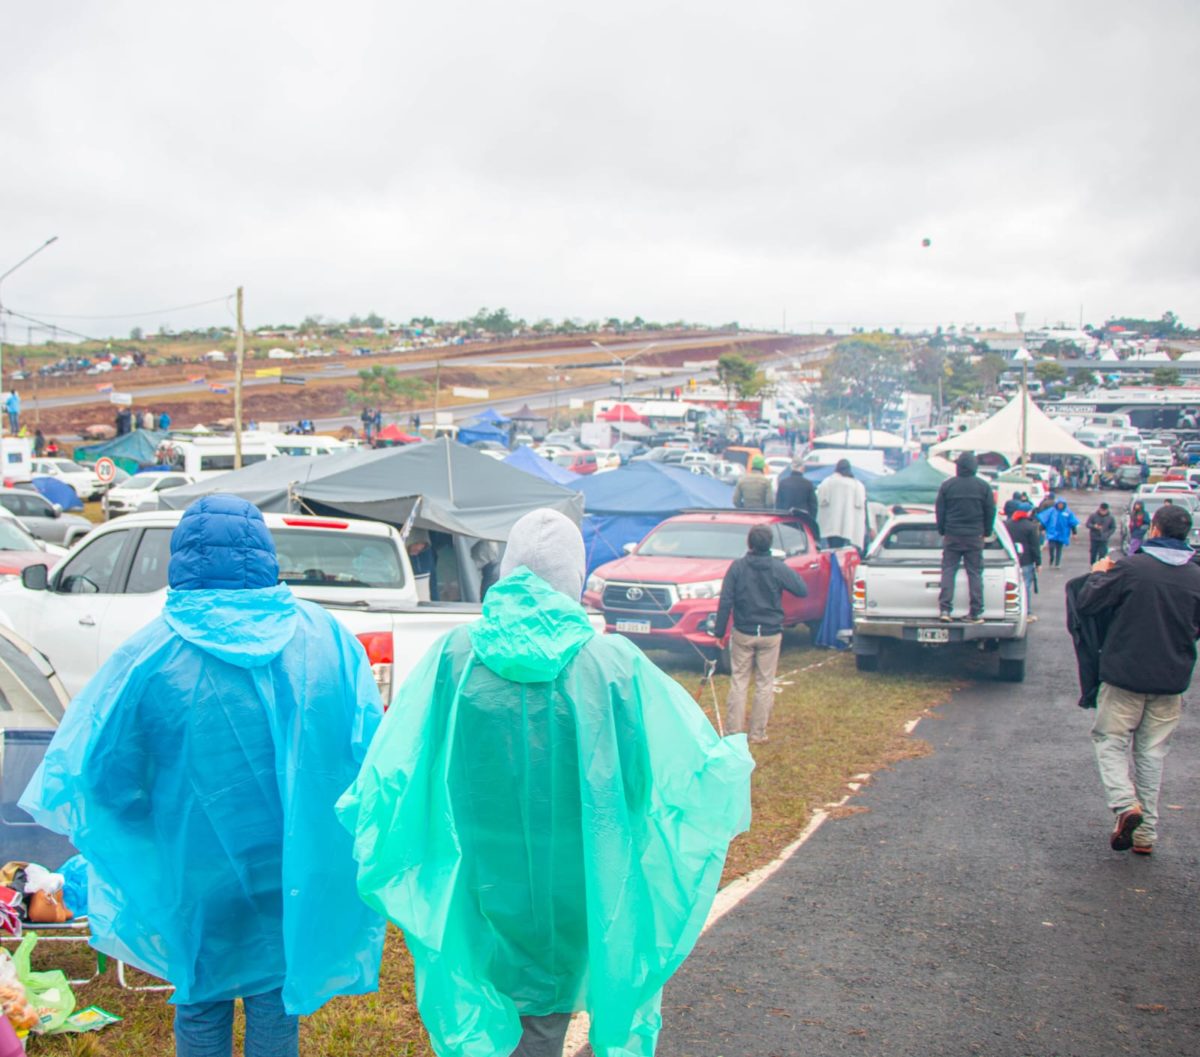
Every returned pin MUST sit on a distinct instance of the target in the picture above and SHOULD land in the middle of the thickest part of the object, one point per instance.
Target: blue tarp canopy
(492, 417)
(58, 492)
(525, 458)
(621, 506)
(477, 430)
(130, 452)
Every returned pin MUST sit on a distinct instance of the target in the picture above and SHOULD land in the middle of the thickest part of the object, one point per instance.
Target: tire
(866, 662)
(1012, 671)
(724, 661)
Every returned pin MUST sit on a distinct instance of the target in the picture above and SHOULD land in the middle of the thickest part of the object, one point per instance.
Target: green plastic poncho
(546, 815)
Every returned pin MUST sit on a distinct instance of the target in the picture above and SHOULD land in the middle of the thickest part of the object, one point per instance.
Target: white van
(201, 457)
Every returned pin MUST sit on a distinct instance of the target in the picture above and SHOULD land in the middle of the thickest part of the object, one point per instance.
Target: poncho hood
(529, 631)
(247, 629)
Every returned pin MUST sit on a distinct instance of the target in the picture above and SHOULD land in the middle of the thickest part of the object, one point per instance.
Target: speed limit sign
(106, 470)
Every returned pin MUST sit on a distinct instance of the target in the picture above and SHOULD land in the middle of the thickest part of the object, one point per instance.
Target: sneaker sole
(1122, 838)
(1142, 849)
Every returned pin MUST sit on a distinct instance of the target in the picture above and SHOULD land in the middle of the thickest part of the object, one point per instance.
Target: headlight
(595, 586)
(702, 589)
(6, 577)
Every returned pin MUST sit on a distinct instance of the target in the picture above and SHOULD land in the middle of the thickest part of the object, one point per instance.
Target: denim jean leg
(1151, 741)
(951, 556)
(1027, 576)
(204, 1029)
(543, 1036)
(270, 1031)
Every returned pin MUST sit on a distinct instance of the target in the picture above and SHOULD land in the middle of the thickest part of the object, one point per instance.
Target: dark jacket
(1087, 634)
(797, 492)
(1150, 647)
(753, 593)
(1101, 526)
(1027, 538)
(965, 505)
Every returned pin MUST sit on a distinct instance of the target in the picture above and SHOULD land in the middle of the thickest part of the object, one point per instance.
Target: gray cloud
(704, 160)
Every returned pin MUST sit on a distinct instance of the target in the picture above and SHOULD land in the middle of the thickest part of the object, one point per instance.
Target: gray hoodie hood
(550, 545)
(1168, 551)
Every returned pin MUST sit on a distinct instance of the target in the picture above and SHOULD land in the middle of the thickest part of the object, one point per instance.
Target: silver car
(44, 519)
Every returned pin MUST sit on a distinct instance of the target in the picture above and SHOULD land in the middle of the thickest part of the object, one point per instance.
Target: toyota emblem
(634, 593)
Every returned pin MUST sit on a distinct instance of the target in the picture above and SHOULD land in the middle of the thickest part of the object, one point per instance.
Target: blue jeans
(205, 1029)
(1027, 575)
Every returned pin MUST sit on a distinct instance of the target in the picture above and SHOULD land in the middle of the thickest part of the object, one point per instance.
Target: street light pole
(3, 324)
(622, 360)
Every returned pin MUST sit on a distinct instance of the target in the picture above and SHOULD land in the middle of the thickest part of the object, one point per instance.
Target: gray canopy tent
(459, 490)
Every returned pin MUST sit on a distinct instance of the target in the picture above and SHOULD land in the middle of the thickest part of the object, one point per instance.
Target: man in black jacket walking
(1027, 538)
(797, 492)
(1100, 525)
(752, 593)
(965, 510)
(1146, 664)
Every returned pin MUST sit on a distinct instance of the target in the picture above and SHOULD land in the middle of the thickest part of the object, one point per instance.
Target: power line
(51, 327)
(135, 315)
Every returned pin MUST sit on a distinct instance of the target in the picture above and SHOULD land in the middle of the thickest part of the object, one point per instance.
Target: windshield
(1154, 502)
(337, 558)
(1159, 451)
(140, 482)
(696, 540)
(225, 462)
(15, 538)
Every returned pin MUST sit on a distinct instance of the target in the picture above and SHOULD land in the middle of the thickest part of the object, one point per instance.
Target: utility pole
(239, 360)
(437, 388)
(4, 323)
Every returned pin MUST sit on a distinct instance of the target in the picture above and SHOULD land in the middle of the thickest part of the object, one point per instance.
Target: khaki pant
(759, 653)
(1145, 723)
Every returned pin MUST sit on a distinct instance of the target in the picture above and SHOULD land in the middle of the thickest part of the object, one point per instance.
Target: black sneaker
(1122, 834)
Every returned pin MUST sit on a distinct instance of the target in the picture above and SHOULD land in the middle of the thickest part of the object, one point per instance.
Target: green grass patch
(829, 723)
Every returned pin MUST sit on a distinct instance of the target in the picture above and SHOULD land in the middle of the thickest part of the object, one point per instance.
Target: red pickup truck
(664, 592)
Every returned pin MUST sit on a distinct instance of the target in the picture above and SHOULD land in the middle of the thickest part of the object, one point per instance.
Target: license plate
(933, 634)
(634, 627)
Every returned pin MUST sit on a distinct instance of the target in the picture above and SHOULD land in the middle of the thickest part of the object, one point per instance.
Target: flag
(218, 388)
(104, 387)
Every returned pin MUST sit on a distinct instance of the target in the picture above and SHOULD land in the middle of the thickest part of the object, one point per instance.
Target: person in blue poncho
(1060, 524)
(197, 772)
(545, 814)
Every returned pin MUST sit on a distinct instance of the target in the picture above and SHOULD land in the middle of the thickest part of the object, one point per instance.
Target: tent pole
(1024, 414)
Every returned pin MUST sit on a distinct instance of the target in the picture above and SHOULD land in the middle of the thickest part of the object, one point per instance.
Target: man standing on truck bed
(753, 490)
(752, 593)
(965, 511)
(797, 492)
(842, 508)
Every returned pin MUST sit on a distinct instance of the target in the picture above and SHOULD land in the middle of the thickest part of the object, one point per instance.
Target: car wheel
(1012, 671)
(866, 662)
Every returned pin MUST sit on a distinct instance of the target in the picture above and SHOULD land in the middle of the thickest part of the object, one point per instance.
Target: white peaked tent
(1019, 426)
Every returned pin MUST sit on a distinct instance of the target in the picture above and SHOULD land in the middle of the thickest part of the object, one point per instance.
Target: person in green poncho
(546, 815)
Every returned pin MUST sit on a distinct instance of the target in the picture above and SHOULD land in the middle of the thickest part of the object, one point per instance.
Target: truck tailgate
(908, 589)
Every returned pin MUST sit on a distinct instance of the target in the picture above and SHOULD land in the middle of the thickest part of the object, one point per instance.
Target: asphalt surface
(975, 906)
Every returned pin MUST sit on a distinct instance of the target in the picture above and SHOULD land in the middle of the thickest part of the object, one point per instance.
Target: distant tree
(135, 334)
(313, 322)
(989, 368)
(863, 373)
(1061, 350)
(738, 375)
(374, 320)
(1049, 371)
(498, 322)
(1084, 379)
(422, 321)
(383, 386)
(1165, 376)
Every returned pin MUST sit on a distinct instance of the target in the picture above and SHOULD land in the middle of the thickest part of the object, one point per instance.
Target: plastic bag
(75, 884)
(14, 1005)
(39, 879)
(48, 992)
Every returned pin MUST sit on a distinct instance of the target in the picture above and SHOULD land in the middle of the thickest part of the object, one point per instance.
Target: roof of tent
(918, 482)
(527, 414)
(475, 430)
(394, 432)
(525, 458)
(620, 413)
(650, 488)
(1002, 434)
(859, 438)
(492, 416)
(140, 446)
(459, 490)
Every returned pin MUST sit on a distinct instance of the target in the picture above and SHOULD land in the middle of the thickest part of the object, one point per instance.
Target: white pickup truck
(114, 583)
(895, 597)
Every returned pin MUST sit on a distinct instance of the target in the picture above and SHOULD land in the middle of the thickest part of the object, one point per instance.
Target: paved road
(975, 908)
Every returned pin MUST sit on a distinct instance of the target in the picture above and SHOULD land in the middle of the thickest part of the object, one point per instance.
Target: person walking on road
(842, 508)
(753, 490)
(545, 814)
(965, 510)
(752, 594)
(1027, 538)
(1139, 525)
(797, 492)
(1060, 524)
(1100, 525)
(12, 408)
(1146, 663)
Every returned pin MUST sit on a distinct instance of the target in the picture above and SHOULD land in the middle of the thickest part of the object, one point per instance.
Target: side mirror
(57, 510)
(35, 577)
(630, 548)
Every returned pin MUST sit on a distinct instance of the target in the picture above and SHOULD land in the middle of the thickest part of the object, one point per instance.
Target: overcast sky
(699, 160)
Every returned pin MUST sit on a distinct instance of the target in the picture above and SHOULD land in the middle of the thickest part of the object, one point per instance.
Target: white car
(82, 480)
(140, 492)
(115, 582)
(606, 459)
(776, 464)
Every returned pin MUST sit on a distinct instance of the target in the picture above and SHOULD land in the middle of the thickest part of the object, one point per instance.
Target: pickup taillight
(1012, 597)
(378, 645)
(858, 597)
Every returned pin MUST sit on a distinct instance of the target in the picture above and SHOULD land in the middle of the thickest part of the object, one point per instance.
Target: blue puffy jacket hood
(224, 595)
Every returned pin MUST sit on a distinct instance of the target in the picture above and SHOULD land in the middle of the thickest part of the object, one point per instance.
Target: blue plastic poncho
(546, 815)
(197, 772)
(1060, 522)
